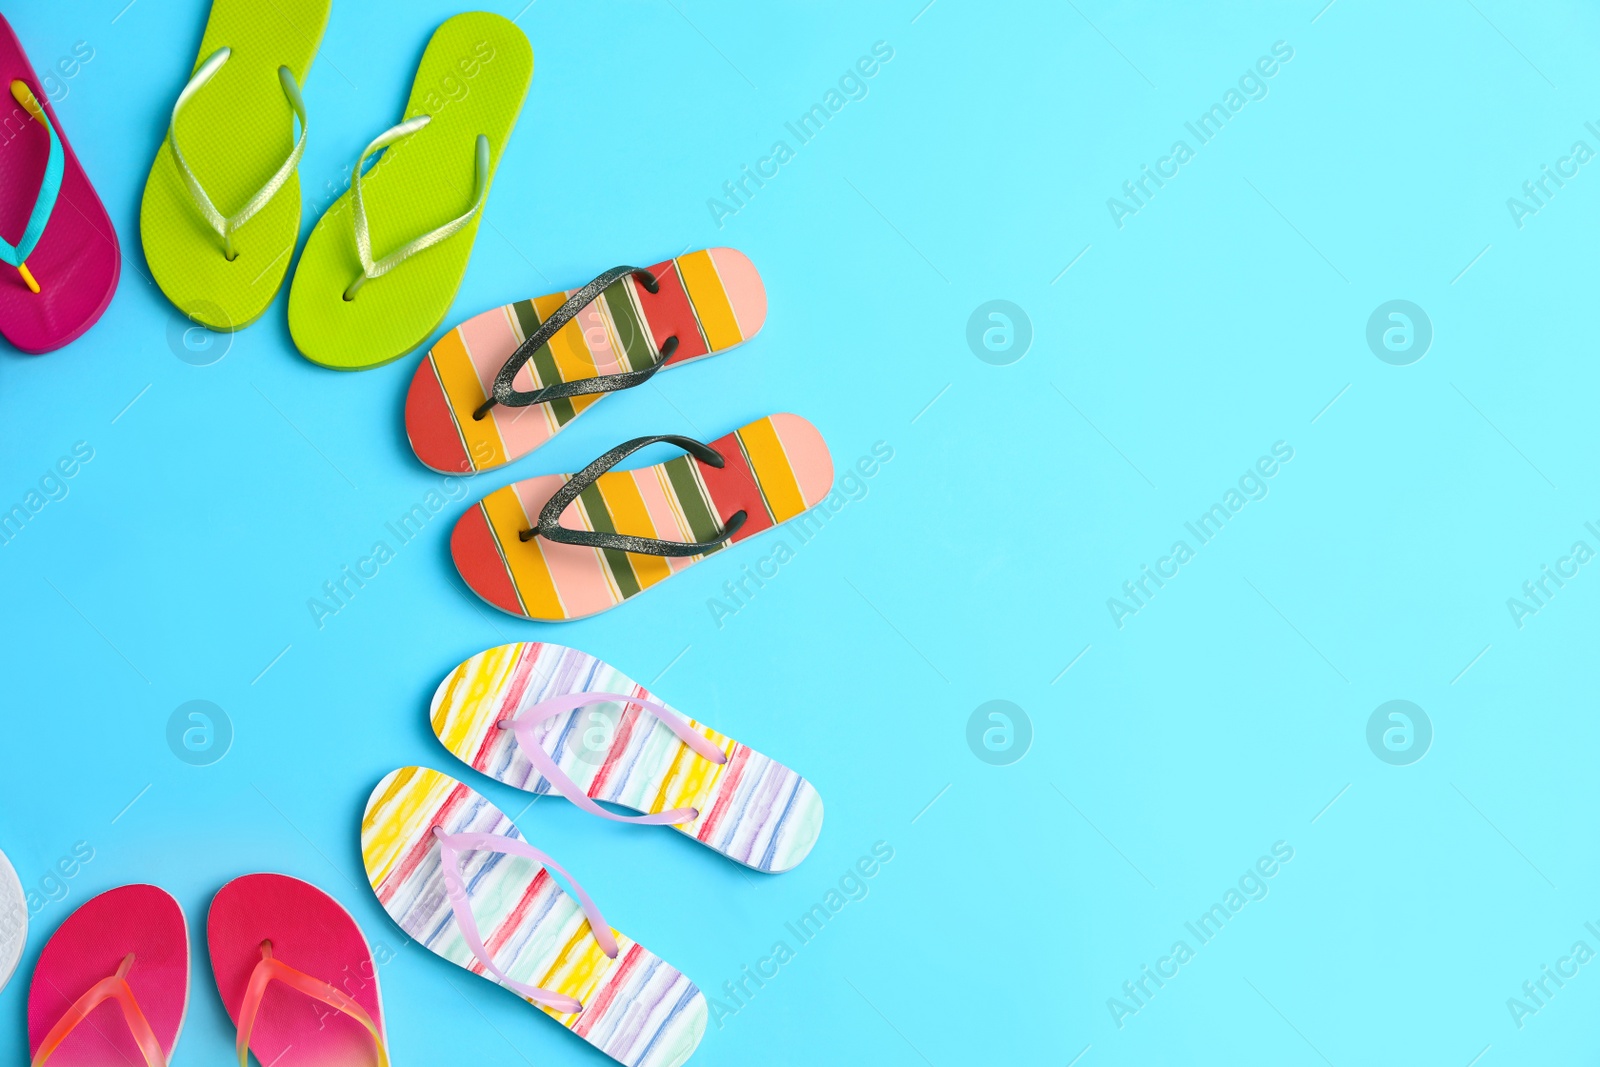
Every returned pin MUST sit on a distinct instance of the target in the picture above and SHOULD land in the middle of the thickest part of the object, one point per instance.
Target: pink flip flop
(119, 964)
(54, 232)
(295, 974)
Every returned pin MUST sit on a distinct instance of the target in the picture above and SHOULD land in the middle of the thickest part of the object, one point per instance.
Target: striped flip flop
(451, 869)
(563, 547)
(544, 718)
(504, 382)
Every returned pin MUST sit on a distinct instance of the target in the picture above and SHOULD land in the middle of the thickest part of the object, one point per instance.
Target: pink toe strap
(114, 988)
(271, 970)
(525, 721)
(451, 846)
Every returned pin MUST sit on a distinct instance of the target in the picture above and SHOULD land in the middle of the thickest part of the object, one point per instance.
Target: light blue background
(1228, 714)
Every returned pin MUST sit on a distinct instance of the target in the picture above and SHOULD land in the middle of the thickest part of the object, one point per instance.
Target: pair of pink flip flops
(293, 969)
(59, 258)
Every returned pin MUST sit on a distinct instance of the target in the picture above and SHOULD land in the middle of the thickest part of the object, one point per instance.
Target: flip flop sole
(776, 469)
(311, 932)
(236, 132)
(138, 920)
(13, 920)
(472, 79)
(639, 1010)
(752, 808)
(711, 301)
(77, 261)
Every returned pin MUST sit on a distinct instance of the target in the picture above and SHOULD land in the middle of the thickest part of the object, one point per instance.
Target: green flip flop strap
(374, 269)
(227, 226)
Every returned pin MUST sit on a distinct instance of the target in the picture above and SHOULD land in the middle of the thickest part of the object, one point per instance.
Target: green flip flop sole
(235, 133)
(471, 83)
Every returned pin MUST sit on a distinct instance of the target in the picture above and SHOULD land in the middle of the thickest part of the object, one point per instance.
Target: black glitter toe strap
(504, 393)
(549, 526)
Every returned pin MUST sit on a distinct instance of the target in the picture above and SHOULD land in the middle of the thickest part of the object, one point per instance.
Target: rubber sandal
(295, 974)
(231, 147)
(504, 382)
(13, 920)
(383, 264)
(66, 260)
(128, 946)
(451, 869)
(543, 718)
(635, 528)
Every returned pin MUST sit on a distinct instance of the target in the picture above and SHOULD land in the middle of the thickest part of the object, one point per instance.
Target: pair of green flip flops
(383, 264)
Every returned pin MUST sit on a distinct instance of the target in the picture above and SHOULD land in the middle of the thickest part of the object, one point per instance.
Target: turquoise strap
(226, 227)
(49, 187)
(371, 269)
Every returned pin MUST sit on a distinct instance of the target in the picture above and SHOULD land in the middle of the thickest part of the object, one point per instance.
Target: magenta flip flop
(295, 974)
(120, 963)
(54, 232)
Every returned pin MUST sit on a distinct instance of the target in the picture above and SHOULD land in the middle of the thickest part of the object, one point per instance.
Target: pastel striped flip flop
(563, 547)
(383, 264)
(66, 260)
(13, 920)
(541, 717)
(504, 382)
(451, 869)
(295, 975)
(127, 946)
(221, 209)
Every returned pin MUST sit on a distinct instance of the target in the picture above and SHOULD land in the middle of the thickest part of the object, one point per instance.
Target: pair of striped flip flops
(459, 878)
(292, 967)
(504, 382)
(221, 211)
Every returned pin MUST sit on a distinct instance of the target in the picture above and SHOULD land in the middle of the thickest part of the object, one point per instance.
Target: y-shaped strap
(226, 227)
(270, 970)
(504, 393)
(549, 524)
(450, 848)
(371, 269)
(44, 201)
(522, 726)
(114, 988)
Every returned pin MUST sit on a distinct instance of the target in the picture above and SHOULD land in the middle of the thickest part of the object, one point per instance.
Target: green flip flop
(419, 206)
(231, 146)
